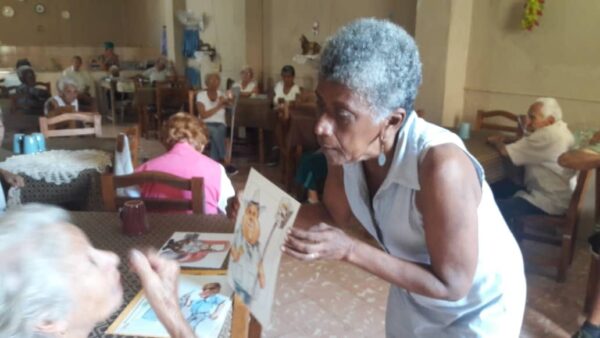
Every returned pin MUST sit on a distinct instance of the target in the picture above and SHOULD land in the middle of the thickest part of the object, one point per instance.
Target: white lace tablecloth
(57, 166)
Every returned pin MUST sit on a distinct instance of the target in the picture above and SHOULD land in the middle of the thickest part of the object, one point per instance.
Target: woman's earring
(381, 159)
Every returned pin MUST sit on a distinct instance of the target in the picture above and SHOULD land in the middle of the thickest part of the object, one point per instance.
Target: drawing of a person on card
(247, 267)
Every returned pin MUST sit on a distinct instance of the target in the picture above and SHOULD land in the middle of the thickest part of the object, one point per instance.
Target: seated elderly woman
(29, 99)
(85, 81)
(66, 100)
(54, 283)
(247, 84)
(185, 137)
(211, 105)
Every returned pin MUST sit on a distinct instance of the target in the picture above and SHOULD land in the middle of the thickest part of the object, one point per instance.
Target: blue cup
(41, 141)
(18, 143)
(464, 130)
(30, 145)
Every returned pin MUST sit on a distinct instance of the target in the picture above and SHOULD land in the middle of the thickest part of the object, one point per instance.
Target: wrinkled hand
(496, 139)
(321, 241)
(13, 180)
(233, 205)
(159, 277)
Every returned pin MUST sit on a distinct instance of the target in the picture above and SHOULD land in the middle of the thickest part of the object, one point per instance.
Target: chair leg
(563, 264)
(261, 146)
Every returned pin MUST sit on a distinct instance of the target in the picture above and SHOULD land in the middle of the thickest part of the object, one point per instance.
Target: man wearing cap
(109, 58)
(547, 185)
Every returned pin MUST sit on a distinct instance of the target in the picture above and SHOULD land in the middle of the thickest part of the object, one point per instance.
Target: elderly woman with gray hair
(66, 100)
(53, 282)
(454, 267)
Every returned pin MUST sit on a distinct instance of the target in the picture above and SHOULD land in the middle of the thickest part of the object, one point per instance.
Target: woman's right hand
(160, 280)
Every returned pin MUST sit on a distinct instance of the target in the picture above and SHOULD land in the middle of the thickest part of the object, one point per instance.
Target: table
(81, 193)
(494, 165)
(255, 113)
(103, 229)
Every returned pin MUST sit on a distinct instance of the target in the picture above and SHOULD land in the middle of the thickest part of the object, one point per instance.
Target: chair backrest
(192, 102)
(172, 97)
(196, 185)
(133, 135)
(484, 115)
(47, 122)
(576, 204)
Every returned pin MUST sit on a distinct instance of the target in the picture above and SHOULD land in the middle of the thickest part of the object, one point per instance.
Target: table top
(487, 155)
(103, 230)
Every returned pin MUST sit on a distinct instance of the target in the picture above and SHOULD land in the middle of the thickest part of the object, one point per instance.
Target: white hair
(33, 287)
(550, 107)
(65, 81)
(378, 60)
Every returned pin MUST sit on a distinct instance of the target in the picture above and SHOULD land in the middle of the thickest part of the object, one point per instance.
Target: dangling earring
(381, 159)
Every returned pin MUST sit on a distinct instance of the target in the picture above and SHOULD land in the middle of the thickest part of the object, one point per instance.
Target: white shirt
(495, 304)
(226, 191)
(155, 75)
(12, 80)
(219, 116)
(549, 186)
(82, 77)
(290, 96)
(61, 103)
(246, 90)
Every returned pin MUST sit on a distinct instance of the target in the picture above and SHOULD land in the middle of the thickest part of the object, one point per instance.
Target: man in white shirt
(548, 186)
(160, 72)
(84, 79)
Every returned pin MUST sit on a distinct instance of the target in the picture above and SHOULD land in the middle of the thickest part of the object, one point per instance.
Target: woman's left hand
(321, 241)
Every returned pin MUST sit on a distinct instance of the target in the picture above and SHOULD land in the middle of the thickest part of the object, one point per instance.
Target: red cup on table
(134, 221)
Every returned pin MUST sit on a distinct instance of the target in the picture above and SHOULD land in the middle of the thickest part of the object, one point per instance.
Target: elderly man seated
(29, 98)
(66, 100)
(161, 71)
(548, 186)
(85, 81)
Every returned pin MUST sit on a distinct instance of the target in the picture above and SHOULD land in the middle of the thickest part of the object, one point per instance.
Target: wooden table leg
(261, 146)
(243, 324)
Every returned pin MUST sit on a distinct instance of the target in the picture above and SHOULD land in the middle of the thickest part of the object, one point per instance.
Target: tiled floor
(333, 299)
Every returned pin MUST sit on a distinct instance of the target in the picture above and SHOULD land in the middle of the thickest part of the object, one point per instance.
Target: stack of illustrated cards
(197, 250)
(205, 301)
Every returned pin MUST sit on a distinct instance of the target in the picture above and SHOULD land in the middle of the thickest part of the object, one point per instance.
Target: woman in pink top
(185, 136)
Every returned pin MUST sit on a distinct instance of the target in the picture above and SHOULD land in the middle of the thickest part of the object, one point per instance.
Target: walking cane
(236, 98)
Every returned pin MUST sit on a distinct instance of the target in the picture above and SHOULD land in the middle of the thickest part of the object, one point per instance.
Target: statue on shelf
(309, 47)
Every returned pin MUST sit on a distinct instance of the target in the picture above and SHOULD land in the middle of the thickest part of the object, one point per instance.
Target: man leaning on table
(547, 185)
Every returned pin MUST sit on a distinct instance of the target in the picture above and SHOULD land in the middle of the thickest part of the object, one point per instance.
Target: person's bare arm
(159, 278)
(499, 142)
(580, 159)
(448, 200)
(206, 113)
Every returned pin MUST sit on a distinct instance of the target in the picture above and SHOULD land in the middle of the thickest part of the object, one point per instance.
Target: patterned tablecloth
(103, 229)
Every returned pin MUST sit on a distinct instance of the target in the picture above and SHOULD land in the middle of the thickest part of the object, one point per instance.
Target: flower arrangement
(533, 10)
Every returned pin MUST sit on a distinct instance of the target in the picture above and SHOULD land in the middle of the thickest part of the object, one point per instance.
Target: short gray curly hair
(65, 81)
(33, 287)
(379, 60)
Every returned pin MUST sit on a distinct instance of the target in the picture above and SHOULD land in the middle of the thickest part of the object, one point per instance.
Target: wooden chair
(133, 135)
(196, 185)
(46, 124)
(169, 100)
(558, 231)
(513, 119)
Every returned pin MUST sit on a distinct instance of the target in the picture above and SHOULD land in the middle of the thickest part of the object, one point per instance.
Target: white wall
(224, 30)
(508, 67)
